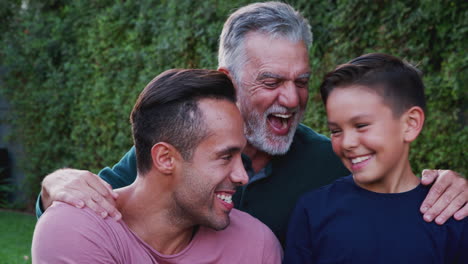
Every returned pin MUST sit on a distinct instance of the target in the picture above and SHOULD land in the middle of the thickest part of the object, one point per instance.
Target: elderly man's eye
(271, 84)
(302, 84)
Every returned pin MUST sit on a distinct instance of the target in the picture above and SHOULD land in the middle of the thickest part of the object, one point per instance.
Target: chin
(220, 225)
(276, 145)
(367, 179)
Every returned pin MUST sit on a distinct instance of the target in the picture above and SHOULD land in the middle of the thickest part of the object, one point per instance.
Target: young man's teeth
(225, 198)
(360, 159)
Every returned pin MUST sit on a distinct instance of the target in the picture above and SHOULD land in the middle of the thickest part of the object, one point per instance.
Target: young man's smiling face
(273, 91)
(210, 178)
(367, 136)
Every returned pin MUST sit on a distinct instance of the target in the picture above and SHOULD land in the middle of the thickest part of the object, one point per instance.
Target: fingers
(83, 188)
(100, 197)
(70, 198)
(462, 213)
(100, 186)
(434, 194)
(447, 196)
(428, 176)
(452, 208)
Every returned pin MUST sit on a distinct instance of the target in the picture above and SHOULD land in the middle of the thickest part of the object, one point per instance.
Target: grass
(15, 237)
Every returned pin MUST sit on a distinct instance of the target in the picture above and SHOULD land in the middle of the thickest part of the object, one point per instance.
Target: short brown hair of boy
(167, 111)
(397, 82)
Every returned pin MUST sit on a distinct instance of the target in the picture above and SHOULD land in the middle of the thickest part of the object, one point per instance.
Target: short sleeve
(65, 234)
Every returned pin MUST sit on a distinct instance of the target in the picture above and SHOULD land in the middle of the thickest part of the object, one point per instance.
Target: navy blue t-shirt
(344, 223)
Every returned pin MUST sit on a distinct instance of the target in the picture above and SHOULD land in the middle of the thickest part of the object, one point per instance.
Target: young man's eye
(227, 157)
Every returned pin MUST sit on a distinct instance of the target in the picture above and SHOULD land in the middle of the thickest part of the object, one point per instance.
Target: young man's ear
(164, 157)
(413, 123)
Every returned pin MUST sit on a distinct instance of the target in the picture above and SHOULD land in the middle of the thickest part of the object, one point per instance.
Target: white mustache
(278, 109)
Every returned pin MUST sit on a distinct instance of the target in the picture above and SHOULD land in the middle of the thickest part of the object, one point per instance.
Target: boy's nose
(350, 140)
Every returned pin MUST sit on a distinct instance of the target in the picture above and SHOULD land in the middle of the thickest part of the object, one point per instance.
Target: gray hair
(274, 19)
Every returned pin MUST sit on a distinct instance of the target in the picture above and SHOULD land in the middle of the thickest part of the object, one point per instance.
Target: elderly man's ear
(165, 157)
(224, 70)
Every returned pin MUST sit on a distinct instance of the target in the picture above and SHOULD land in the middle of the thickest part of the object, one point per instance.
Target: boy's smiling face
(367, 136)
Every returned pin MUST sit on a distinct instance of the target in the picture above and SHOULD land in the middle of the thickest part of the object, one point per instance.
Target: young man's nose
(238, 174)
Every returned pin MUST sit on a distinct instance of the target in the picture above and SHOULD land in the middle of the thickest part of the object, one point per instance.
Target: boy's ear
(165, 157)
(413, 123)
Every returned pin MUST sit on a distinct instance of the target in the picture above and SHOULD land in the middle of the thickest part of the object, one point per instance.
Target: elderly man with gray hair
(264, 50)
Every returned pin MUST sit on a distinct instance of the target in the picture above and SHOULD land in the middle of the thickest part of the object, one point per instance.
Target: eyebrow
(266, 75)
(304, 75)
(352, 119)
(228, 150)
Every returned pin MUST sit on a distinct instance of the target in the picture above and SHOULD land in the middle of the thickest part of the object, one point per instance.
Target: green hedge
(73, 69)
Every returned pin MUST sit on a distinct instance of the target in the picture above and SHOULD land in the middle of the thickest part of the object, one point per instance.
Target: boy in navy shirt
(375, 107)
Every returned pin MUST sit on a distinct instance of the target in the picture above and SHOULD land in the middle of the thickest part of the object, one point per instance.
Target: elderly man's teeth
(282, 115)
(225, 197)
(360, 159)
(284, 119)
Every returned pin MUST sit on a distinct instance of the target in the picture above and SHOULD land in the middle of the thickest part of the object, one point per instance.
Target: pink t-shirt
(65, 234)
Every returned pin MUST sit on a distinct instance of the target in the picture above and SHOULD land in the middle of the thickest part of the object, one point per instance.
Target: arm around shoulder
(65, 234)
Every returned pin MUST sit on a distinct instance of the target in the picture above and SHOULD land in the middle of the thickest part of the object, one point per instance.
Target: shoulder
(254, 242)
(336, 190)
(251, 230)
(63, 226)
(246, 225)
(62, 215)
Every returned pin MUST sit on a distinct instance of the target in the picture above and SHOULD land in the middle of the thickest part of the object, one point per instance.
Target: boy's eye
(361, 125)
(335, 131)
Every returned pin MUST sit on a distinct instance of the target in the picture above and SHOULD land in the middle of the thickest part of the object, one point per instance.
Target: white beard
(258, 134)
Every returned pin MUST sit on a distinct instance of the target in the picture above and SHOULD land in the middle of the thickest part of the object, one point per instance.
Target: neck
(400, 179)
(259, 158)
(146, 209)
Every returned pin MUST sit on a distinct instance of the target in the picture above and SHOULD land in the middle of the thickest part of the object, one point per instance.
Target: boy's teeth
(360, 159)
(225, 197)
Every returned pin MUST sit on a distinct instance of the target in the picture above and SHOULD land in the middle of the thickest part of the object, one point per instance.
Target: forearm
(39, 208)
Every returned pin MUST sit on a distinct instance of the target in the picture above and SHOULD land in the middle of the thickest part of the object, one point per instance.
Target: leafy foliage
(75, 68)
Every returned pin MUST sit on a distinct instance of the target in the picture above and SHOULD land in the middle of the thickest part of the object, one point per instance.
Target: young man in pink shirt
(188, 135)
